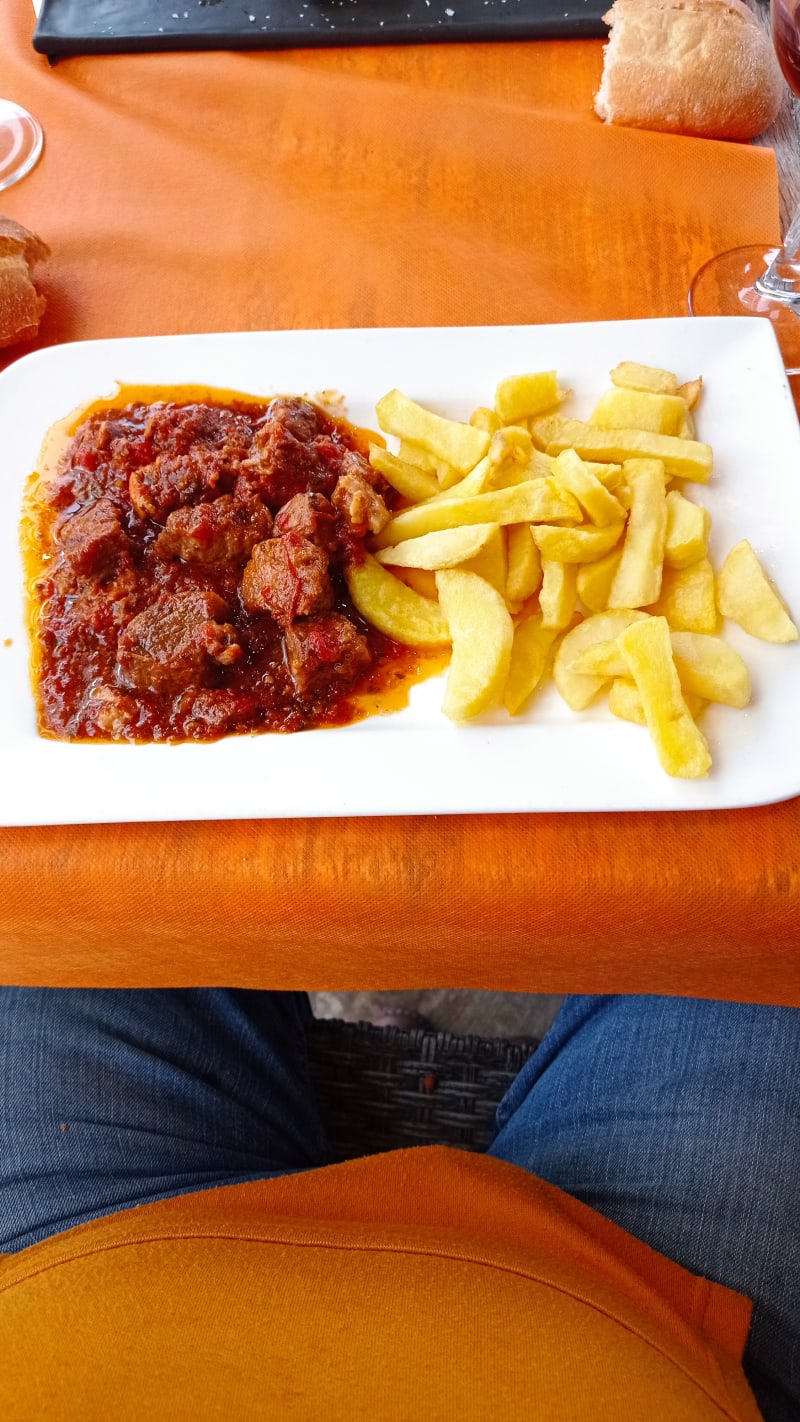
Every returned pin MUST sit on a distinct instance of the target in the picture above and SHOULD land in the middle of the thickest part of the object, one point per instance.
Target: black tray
(134, 26)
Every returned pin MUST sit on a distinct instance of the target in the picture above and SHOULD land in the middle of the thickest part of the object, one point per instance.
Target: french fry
(482, 635)
(423, 459)
(688, 598)
(688, 527)
(524, 564)
(536, 501)
(624, 701)
(708, 668)
(521, 396)
(680, 745)
(682, 458)
(459, 445)
(711, 669)
(748, 596)
(621, 409)
(394, 608)
(644, 377)
(558, 595)
(574, 474)
(530, 657)
(491, 562)
(577, 690)
(637, 580)
(576, 545)
(595, 580)
(446, 548)
(413, 483)
(485, 419)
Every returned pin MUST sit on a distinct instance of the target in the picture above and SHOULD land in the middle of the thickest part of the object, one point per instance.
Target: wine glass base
(20, 142)
(725, 286)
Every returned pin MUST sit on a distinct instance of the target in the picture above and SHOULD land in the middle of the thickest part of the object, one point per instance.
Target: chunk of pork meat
(299, 417)
(93, 540)
(287, 577)
(224, 531)
(294, 452)
(324, 650)
(312, 515)
(178, 641)
(172, 480)
(360, 505)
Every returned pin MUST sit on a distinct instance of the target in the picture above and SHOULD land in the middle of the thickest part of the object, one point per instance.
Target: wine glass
(20, 142)
(761, 280)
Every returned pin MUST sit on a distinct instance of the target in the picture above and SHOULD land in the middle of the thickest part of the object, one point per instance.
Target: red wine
(786, 38)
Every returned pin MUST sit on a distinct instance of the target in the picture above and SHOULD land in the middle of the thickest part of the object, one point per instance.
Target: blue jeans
(679, 1119)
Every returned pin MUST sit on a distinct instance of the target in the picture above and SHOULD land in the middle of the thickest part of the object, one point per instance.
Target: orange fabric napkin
(370, 187)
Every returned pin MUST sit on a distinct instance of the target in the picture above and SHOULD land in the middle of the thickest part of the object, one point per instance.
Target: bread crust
(704, 67)
(21, 305)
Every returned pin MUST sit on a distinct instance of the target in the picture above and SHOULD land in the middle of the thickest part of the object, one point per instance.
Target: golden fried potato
(625, 702)
(485, 419)
(644, 377)
(413, 483)
(682, 458)
(595, 580)
(491, 562)
(680, 745)
(530, 658)
(482, 635)
(524, 564)
(459, 445)
(622, 409)
(688, 598)
(446, 548)
(558, 595)
(521, 396)
(536, 501)
(708, 668)
(688, 527)
(747, 595)
(420, 458)
(574, 474)
(637, 580)
(576, 545)
(394, 608)
(579, 691)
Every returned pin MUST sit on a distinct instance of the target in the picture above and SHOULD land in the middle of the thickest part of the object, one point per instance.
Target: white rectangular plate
(415, 761)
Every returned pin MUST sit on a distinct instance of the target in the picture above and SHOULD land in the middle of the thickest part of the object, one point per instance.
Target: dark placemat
(130, 26)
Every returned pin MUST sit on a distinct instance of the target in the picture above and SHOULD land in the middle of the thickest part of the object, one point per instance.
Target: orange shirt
(424, 1282)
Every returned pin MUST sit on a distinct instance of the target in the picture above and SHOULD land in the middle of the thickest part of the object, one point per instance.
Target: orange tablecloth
(439, 185)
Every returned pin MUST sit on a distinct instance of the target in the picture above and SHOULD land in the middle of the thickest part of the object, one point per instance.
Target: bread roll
(702, 67)
(21, 306)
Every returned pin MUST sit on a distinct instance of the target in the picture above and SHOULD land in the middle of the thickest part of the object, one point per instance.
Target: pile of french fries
(538, 545)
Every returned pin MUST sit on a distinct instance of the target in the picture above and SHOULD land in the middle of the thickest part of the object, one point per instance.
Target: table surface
(443, 185)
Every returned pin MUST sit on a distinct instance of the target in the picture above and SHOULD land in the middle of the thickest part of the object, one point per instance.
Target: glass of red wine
(762, 280)
(20, 142)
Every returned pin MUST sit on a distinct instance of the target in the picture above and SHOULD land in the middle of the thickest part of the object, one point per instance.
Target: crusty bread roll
(21, 306)
(702, 67)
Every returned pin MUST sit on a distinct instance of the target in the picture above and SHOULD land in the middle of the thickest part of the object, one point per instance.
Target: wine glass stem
(781, 280)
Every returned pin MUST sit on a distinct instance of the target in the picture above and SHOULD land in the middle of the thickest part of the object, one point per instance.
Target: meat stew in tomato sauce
(188, 583)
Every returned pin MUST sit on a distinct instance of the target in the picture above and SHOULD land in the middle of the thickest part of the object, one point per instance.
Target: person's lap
(678, 1119)
(111, 1098)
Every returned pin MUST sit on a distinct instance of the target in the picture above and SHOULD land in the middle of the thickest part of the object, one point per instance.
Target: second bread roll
(702, 67)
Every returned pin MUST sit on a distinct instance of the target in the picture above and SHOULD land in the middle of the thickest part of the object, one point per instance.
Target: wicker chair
(384, 1087)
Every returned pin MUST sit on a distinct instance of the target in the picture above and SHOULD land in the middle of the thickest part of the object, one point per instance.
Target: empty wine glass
(20, 142)
(762, 280)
